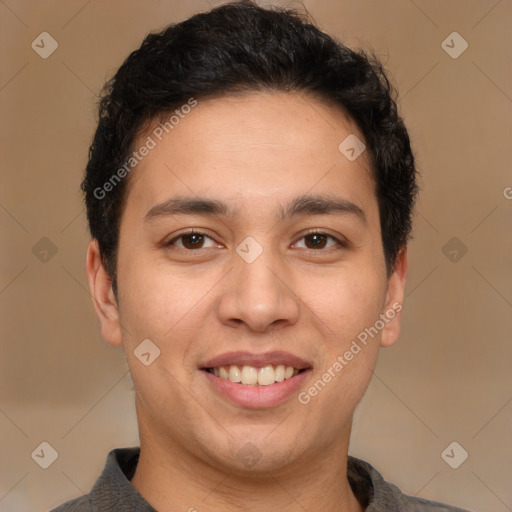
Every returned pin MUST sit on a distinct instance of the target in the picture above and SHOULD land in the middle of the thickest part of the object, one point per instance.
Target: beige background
(449, 377)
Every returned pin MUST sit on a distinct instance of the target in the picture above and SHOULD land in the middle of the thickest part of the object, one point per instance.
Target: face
(249, 239)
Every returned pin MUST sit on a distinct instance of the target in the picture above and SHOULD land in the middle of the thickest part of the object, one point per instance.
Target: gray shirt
(113, 492)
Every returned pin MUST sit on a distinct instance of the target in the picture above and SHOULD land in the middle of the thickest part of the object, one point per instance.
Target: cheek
(167, 306)
(348, 303)
(158, 300)
(164, 308)
(343, 315)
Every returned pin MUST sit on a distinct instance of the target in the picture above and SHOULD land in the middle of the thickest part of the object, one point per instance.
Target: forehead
(252, 149)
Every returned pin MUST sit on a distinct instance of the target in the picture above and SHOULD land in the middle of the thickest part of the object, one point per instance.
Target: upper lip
(241, 358)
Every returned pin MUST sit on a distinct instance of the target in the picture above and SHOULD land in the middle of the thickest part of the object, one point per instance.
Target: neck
(173, 479)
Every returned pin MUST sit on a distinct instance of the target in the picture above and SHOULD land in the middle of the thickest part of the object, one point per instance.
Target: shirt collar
(114, 492)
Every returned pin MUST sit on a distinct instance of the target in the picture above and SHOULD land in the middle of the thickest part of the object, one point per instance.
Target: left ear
(394, 300)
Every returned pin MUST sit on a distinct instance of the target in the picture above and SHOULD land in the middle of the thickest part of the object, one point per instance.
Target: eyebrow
(303, 205)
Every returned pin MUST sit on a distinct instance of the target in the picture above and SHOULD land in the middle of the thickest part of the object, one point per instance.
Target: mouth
(256, 380)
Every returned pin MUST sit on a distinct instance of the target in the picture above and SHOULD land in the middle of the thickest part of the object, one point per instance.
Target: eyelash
(340, 244)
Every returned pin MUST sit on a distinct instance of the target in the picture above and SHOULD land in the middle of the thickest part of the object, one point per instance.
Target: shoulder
(379, 495)
(82, 504)
(112, 490)
(415, 504)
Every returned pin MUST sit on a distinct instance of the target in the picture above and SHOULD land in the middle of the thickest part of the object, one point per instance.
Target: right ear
(103, 296)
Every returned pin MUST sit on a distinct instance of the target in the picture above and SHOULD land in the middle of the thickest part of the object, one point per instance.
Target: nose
(258, 294)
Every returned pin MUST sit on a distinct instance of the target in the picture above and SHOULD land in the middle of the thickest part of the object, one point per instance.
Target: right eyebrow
(185, 205)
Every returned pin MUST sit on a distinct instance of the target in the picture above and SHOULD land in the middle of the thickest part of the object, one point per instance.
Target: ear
(394, 300)
(103, 297)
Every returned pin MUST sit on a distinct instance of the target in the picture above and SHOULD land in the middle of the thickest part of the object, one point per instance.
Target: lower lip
(255, 396)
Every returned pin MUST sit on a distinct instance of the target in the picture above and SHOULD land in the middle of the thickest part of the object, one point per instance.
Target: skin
(255, 152)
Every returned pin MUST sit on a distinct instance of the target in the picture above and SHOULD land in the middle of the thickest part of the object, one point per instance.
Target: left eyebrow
(187, 206)
(321, 205)
(307, 204)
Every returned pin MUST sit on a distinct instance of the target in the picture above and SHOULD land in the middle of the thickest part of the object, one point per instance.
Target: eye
(191, 240)
(316, 240)
(196, 240)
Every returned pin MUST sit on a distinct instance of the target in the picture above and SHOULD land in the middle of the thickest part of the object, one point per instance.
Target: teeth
(280, 371)
(266, 376)
(249, 375)
(235, 375)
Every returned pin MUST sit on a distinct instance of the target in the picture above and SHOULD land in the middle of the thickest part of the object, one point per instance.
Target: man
(249, 193)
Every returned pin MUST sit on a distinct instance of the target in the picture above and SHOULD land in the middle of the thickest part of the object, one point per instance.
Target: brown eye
(191, 241)
(318, 241)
